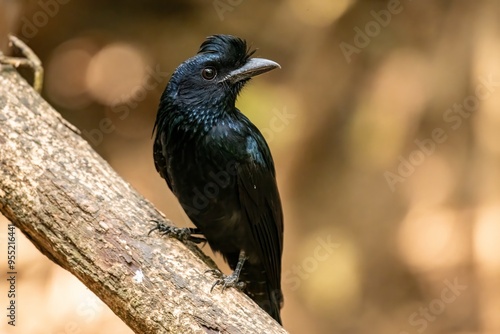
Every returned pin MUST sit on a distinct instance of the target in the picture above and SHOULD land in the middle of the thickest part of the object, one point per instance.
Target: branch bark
(77, 211)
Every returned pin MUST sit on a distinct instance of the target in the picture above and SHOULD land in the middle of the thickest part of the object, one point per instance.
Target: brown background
(384, 125)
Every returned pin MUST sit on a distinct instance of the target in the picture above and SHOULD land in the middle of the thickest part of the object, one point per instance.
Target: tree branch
(77, 211)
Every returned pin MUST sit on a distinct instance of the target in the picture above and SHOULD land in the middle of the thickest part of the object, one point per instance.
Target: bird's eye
(208, 73)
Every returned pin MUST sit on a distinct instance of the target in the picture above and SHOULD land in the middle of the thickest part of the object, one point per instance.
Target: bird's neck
(198, 119)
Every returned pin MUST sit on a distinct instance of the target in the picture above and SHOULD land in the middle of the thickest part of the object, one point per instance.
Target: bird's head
(216, 74)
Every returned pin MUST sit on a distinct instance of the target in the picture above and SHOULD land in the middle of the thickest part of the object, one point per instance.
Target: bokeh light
(115, 72)
(319, 13)
(66, 71)
(432, 239)
(487, 236)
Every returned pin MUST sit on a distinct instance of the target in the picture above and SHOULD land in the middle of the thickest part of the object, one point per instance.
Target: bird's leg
(183, 234)
(232, 280)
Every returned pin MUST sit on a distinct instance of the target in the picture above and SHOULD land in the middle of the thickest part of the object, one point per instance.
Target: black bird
(220, 168)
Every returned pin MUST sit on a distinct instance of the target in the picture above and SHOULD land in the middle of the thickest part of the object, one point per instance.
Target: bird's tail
(258, 288)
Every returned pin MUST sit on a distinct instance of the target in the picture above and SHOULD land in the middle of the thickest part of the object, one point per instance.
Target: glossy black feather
(220, 168)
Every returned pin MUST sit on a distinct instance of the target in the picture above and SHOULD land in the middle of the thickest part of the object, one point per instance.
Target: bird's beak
(253, 67)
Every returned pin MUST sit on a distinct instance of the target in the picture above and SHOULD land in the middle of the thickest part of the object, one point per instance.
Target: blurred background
(384, 124)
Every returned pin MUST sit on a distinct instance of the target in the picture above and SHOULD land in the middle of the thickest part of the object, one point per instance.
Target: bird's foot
(181, 233)
(233, 279)
(227, 281)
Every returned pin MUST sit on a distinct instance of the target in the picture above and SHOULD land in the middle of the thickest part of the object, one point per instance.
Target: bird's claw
(182, 234)
(170, 230)
(227, 282)
(214, 271)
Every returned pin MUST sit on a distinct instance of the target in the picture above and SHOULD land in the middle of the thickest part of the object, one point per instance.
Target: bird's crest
(233, 46)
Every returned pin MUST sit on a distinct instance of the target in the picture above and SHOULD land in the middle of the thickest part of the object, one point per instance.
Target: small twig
(31, 61)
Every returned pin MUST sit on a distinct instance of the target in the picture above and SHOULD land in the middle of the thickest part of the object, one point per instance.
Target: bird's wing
(260, 202)
(159, 157)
